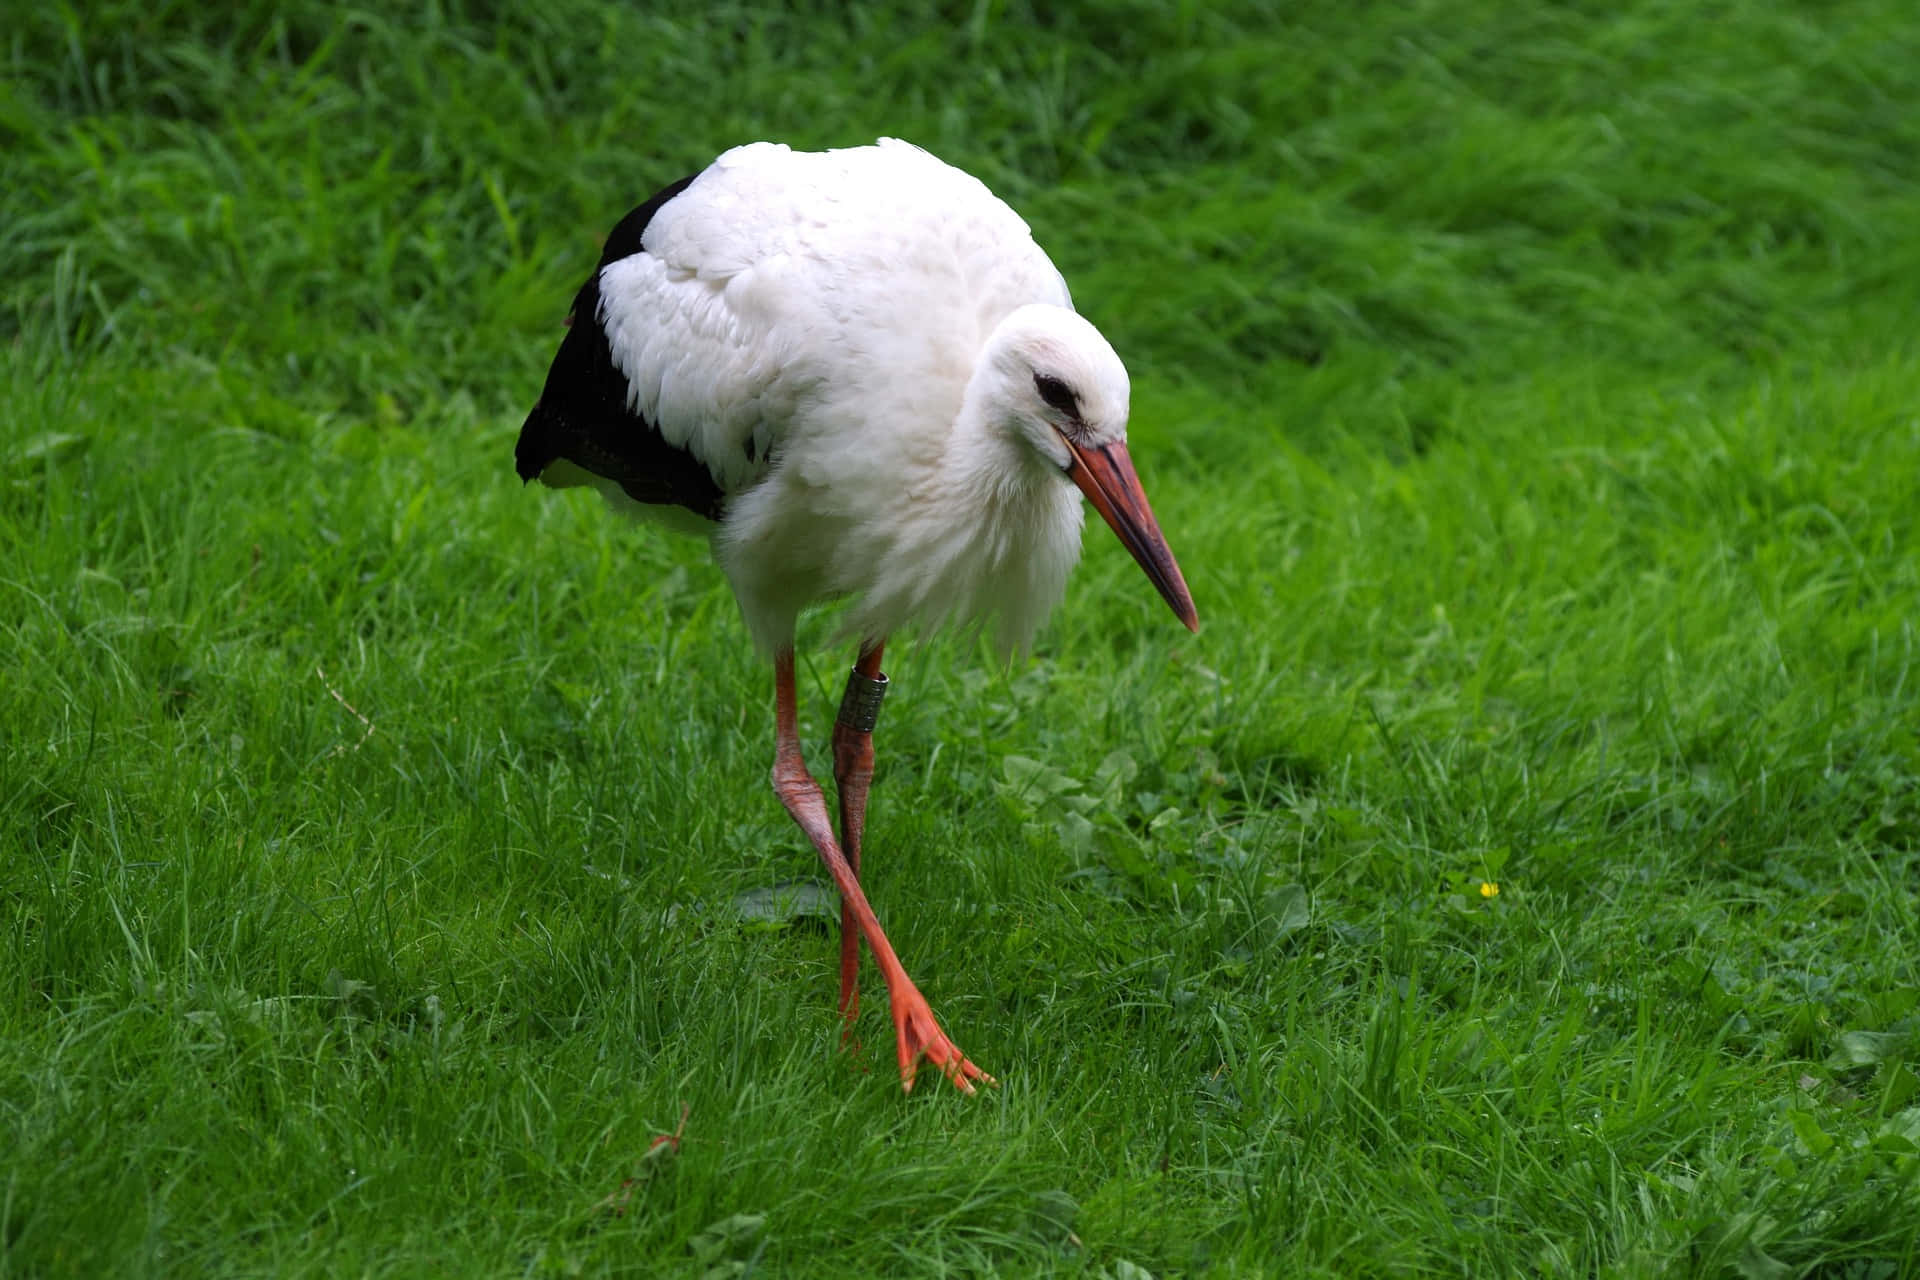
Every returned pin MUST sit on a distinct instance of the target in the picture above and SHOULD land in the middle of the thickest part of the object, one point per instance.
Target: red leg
(918, 1035)
(852, 774)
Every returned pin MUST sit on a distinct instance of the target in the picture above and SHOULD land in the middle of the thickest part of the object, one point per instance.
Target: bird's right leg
(852, 775)
(915, 1030)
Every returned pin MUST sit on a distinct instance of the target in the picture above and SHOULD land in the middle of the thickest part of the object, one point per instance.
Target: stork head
(1057, 388)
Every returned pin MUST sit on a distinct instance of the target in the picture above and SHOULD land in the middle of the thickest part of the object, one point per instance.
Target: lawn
(1517, 875)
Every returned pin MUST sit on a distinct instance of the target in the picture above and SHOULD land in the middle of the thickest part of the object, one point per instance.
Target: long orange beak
(1107, 477)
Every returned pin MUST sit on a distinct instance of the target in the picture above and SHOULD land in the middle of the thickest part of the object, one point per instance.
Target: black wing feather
(583, 416)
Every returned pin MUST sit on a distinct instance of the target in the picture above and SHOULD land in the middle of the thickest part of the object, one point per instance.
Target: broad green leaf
(1868, 1048)
(1808, 1130)
(48, 449)
(1286, 910)
(784, 903)
(729, 1237)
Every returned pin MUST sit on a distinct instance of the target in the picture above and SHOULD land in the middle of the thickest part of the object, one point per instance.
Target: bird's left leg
(915, 1031)
(852, 774)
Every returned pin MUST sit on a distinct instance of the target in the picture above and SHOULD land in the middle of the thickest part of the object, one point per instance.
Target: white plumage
(858, 371)
(830, 308)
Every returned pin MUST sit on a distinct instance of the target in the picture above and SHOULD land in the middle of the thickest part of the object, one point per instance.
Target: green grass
(1530, 392)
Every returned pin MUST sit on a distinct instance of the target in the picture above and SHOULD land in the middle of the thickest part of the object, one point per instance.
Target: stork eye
(1057, 393)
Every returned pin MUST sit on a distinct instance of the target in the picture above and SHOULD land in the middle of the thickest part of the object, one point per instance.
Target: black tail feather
(583, 414)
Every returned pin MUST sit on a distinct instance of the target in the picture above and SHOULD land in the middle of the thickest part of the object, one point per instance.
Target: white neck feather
(994, 534)
(921, 526)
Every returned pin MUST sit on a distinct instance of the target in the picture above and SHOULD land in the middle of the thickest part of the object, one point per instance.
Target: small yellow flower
(1488, 889)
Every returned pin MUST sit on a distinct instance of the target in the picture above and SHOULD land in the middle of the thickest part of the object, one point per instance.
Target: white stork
(856, 372)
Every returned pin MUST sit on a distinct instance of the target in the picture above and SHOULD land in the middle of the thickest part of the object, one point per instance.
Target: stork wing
(771, 284)
(586, 426)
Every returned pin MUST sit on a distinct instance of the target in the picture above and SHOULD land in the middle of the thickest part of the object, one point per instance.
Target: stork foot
(921, 1037)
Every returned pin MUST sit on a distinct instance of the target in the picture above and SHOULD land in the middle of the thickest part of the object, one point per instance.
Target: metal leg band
(860, 705)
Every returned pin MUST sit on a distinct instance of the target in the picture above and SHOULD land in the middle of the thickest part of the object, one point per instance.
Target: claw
(921, 1037)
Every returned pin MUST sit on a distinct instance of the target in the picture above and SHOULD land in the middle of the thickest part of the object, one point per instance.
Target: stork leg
(852, 774)
(918, 1035)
